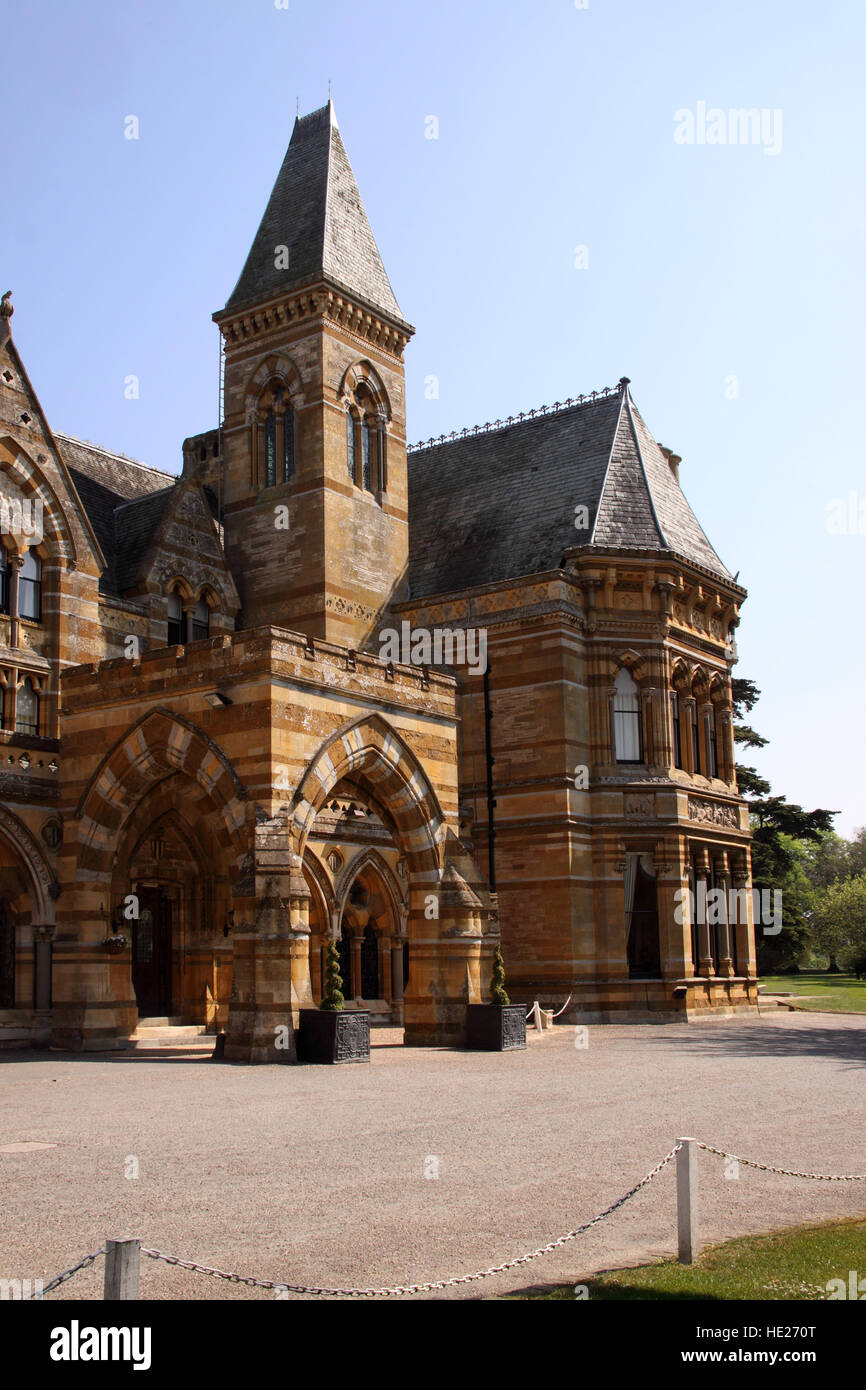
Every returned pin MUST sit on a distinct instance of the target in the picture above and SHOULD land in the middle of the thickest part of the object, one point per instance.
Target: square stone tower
(313, 482)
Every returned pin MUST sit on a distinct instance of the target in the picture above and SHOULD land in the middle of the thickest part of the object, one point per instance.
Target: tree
(781, 830)
(841, 921)
(332, 998)
(498, 994)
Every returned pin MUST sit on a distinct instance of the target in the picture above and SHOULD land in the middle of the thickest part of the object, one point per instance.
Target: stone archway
(28, 894)
(448, 952)
(163, 751)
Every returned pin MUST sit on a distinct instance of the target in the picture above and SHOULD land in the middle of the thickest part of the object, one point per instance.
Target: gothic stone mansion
(212, 761)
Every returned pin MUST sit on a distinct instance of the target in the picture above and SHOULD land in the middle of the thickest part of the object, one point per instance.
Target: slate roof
(501, 503)
(124, 501)
(315, 209)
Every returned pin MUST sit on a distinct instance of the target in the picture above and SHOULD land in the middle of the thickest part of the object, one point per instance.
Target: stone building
(322, 685)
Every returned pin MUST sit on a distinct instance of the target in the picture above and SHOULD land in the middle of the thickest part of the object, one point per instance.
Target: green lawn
(795, 1264)
(838, 993)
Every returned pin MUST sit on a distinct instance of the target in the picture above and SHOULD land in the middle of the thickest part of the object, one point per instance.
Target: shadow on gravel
(756, 1040)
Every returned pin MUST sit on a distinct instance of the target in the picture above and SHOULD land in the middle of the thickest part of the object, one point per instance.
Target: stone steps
(170, 1032)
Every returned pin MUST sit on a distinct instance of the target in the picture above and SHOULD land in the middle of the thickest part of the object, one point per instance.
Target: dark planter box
(325, 1036)
(495, 1027)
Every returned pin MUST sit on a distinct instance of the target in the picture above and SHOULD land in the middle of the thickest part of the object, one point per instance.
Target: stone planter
(326, 1036)
(495, 1027)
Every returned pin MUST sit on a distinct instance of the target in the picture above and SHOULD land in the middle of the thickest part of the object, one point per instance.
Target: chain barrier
(276, 1286)
(398, 1289)
(784, 1172)
(67, 1274)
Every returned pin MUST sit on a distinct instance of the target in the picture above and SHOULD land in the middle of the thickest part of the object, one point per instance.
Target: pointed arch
(277, 369)
(23, 843)
(30, 480)
(370, 858)
(362, 375)
(160, 744)
(371, 749)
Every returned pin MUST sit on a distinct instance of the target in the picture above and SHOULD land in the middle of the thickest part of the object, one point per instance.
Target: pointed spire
(315, 224)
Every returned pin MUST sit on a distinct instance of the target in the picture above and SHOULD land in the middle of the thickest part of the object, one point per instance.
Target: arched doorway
(170, 913)
(644, 953)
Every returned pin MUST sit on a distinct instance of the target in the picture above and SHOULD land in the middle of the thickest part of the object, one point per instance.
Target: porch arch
(371, 749)
(160, 744)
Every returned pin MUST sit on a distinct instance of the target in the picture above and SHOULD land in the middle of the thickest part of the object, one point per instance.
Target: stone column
(745, 924)
(723, 880)
(43, 936)
(706, 965)
(16, 564)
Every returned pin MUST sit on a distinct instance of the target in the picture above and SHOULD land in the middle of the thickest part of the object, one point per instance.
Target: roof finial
(624, 381)
(329, 89)
(6, 309)
(298, 107)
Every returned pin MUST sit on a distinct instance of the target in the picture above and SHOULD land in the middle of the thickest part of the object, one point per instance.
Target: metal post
(121, 1270)
(688, 1239)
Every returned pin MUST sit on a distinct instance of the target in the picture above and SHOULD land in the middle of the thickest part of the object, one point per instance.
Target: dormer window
(200, 622)
(175, 620)
(30, 588)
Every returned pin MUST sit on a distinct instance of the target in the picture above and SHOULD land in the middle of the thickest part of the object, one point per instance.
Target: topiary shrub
(332, 999)
(498, 993)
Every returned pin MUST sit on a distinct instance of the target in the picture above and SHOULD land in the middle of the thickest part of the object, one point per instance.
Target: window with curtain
(696, 742)
(270, 449)
(675, 730)
(626, 719)
(176, 635)
(288, 444)
(4, 580)
(200, 624)
(27, 717)
(30, 588)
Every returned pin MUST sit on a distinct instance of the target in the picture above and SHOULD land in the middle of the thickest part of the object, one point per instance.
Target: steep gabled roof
(501, 503)
(315, 210)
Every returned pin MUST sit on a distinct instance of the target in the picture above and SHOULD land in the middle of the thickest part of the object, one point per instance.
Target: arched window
(27, 716)
(30, 588)
(175, 620)
(270, 449)
(696, 742)
(350, 444)
(366, 455)
(626, 719)
(712, 745)
(288, 443)
(676, 732)
(200, 622)
(4, 580)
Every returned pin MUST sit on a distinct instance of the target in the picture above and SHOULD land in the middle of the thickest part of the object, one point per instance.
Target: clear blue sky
(556, 130)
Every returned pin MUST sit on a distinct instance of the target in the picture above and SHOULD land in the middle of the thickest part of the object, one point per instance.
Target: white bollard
(121, 1270)
(688, 1240)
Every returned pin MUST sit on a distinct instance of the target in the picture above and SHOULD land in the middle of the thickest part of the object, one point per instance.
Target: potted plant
(328, 1034)
(499, 1026)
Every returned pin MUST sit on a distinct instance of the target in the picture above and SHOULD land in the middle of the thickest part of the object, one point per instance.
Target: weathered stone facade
(212, 763)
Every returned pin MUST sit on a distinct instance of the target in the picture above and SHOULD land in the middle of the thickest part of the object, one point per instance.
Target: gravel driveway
(327, 1175)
